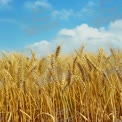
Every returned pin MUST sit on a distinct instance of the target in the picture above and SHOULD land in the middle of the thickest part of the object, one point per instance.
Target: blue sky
(42, 24)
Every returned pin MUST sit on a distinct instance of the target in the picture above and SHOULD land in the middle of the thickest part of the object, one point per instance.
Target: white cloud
(40, 47)
(5, 3)
(91, 4)
(37, 4)
(116, 25)
(88, 9)
(64, 14)
(93, 38)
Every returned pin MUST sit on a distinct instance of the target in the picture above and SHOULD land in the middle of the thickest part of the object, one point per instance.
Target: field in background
(78, 88)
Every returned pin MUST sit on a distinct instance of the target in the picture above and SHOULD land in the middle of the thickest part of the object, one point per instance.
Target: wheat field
(82, 87)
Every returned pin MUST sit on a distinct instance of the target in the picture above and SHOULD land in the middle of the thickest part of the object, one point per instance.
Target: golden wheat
(82, 87)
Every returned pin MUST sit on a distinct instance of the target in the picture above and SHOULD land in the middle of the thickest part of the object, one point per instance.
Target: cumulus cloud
(37, 4)
(42, 47)
(92, 38)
